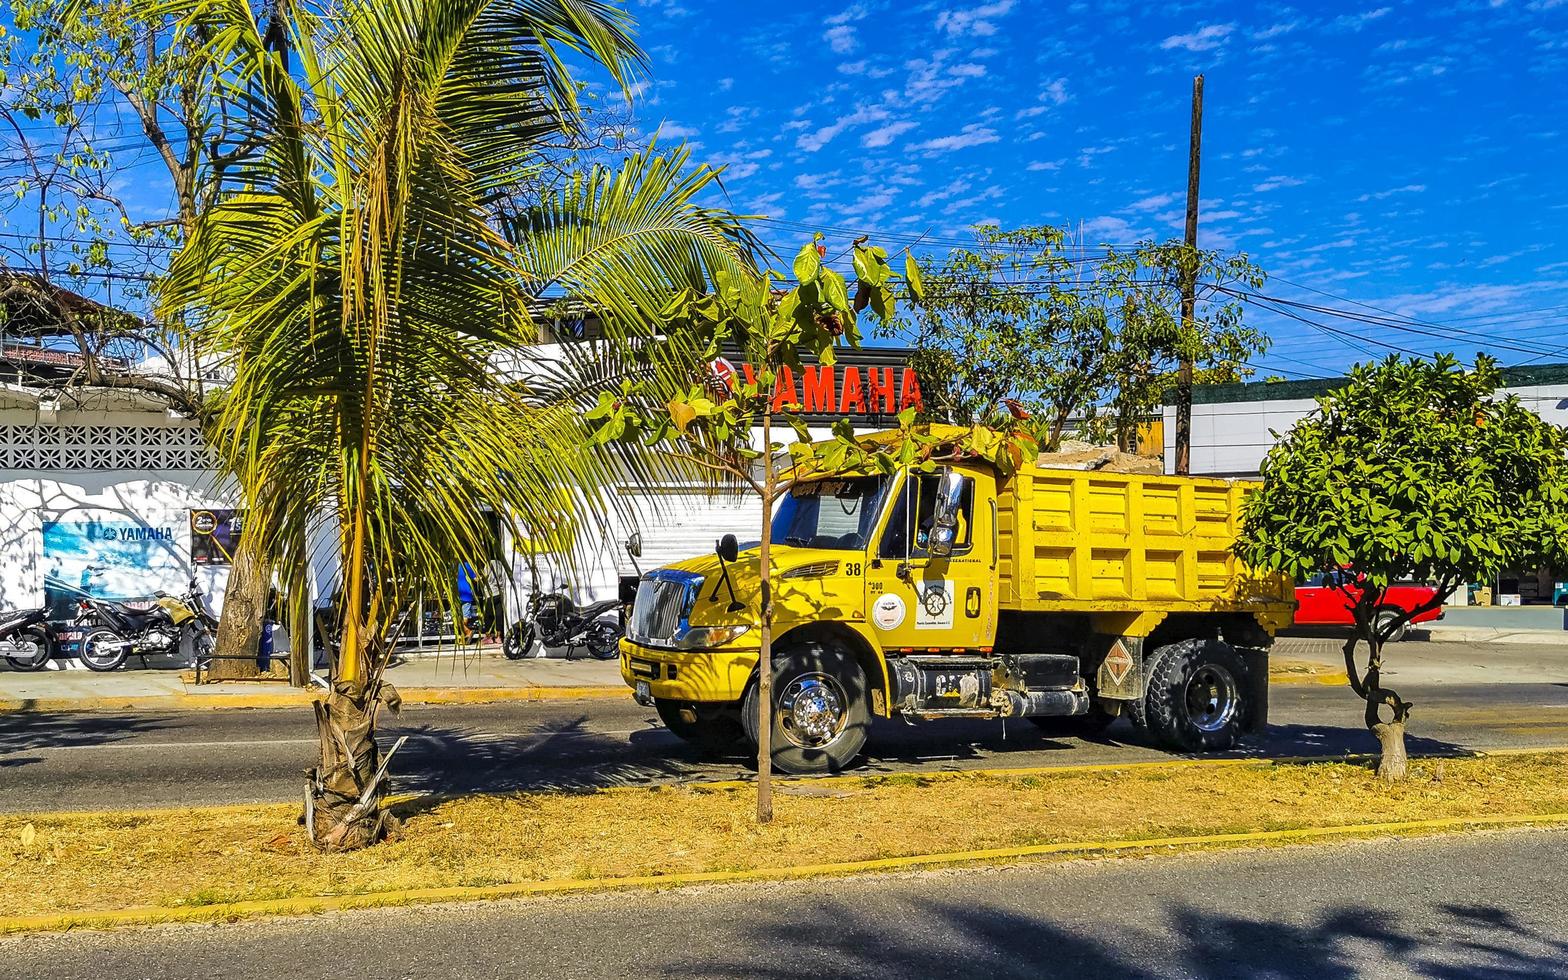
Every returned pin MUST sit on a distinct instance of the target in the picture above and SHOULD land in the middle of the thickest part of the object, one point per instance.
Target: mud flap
(1119, 674)
(1257, 682)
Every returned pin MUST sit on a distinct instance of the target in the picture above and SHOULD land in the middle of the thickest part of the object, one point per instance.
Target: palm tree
(360, 282)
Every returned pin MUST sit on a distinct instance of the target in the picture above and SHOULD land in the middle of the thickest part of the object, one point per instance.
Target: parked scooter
(26, 640)
(552, 619)
(114, 630)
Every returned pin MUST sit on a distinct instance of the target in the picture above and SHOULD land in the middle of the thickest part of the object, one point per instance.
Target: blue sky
(1406, 155)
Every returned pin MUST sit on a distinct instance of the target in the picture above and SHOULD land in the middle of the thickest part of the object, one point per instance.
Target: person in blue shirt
(465, 595)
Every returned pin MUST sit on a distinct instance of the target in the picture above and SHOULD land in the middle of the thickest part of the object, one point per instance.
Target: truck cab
(961, 593)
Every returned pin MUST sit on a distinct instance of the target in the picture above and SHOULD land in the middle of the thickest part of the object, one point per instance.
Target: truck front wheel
(821, 714)
(1198, 696)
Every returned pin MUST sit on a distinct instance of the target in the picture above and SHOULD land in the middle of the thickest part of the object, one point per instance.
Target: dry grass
(85, 862)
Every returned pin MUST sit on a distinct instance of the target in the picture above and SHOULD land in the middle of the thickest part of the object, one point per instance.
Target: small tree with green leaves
(1413, 470)
(1140, 290)
(710, 426)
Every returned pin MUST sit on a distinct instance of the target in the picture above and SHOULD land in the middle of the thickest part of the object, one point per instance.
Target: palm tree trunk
(345, 793)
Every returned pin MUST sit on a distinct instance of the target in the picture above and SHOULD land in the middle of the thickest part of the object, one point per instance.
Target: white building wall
(1231, 438)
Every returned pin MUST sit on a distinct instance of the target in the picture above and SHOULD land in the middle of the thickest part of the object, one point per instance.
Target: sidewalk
(451, 677)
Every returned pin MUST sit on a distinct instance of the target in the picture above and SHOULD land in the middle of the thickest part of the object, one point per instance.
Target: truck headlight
(708, 637)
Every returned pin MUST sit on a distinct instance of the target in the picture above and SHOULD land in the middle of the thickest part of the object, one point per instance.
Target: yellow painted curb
(150, 915)
(1337, 680)
(295, 699)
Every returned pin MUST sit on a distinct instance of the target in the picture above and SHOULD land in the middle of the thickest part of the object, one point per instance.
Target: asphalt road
(1486, 906)
(102, 760)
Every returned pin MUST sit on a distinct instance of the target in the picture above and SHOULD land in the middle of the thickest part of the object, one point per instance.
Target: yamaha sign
(868, 386)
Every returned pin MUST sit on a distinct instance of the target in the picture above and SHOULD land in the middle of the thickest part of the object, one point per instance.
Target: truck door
(915, 601)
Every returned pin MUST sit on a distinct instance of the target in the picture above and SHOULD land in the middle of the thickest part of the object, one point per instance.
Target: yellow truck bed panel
(1096, 542)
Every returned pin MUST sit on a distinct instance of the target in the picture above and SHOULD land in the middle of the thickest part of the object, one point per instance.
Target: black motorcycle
(26, 640)
(552, 619)
(113, 630)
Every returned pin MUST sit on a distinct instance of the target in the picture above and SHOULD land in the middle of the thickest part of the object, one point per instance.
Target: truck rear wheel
(1198, 696)
(712, 729)
(821, 714)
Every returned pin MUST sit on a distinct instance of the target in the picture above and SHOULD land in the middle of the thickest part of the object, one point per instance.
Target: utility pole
(1189, 288)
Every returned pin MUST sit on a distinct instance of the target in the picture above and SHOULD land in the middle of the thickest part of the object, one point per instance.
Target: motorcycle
(114, 631)
(552, 619)
(26, 639)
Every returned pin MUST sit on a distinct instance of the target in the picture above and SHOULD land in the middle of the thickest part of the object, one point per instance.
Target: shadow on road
(564, 754)
(932, 939)
(28, 731)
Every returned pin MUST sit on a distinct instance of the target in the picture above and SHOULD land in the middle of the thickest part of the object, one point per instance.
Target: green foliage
(711, 424)
(1022, 322)
(1412, 470)
(357, 282)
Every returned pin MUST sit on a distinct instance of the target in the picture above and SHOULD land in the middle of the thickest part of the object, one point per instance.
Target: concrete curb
(296, 699)
(1490, 634)
(154, 915)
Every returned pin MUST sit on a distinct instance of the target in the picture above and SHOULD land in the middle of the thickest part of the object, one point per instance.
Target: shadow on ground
(933, 939)
(27, 731)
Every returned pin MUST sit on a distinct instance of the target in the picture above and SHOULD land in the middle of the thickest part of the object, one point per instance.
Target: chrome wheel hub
(1211, 697)
(812, 710)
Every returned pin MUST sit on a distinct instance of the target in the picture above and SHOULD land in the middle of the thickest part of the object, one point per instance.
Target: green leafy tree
(1141, 290)
(1023, 324)
(711, 427)
(1007, 328)
(1413, 470)
(355, 279)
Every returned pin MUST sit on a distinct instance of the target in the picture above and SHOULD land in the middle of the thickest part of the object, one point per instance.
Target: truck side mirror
(634, 544)
(944, 515)
(727, 548)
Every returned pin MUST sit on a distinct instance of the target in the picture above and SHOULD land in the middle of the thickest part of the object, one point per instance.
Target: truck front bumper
(718, 676)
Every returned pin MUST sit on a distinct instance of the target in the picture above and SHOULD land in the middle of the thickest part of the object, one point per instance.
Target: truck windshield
(839, 513)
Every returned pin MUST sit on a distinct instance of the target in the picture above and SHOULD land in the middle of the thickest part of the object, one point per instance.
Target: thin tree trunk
(765, 653)
(239, 625)
(1393, 759)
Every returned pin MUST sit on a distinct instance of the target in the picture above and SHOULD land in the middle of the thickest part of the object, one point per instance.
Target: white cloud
(967, 70)
(841, 39)
(1056, 92)
(1203, 39)
(1154, 203)
(814, 141)
(1355, 22)
(976, 21)
(1276, 30)
(852, 13)
(725, 84)
(1045, 165)
(883, 135)
(675, 131)
(1384, 195)
(971, 135)
(1108, 229)
(1275, 183)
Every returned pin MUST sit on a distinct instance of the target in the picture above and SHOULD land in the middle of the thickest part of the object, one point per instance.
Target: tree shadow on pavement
(937, 939)
(29, 731)
(562, 755)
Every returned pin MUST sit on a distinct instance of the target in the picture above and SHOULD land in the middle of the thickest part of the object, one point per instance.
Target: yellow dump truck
(1063, 596)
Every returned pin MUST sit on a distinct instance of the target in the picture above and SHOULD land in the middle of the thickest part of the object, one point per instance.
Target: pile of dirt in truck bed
(1082, 456)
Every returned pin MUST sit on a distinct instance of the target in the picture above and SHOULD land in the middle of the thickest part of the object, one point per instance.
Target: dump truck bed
(1075, 540)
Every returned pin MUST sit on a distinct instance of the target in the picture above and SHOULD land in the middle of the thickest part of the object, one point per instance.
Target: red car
(1321, 602)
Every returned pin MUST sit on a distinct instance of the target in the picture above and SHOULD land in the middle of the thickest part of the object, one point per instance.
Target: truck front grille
(661, 605)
